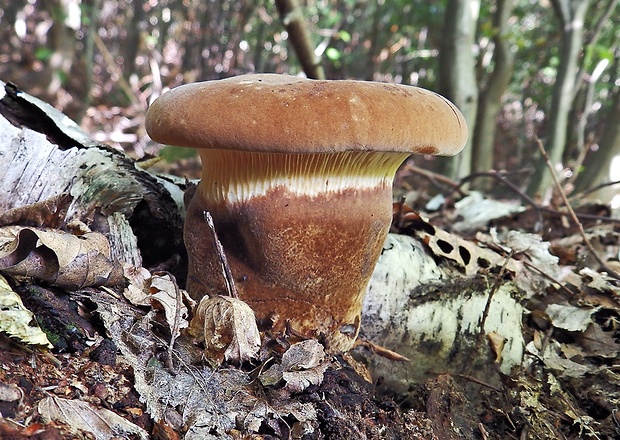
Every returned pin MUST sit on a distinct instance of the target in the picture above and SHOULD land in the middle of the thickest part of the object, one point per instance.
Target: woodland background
(525, 73)
(518, 69)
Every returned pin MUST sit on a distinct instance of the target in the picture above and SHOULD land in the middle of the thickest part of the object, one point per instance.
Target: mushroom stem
(302, 234)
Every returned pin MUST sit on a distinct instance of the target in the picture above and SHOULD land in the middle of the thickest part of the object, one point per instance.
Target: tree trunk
(457, 77)
(61, 42)
(600, 166)
(133, 39)
(490, 101)
(375, 46)
(571, 14)
(293, 20)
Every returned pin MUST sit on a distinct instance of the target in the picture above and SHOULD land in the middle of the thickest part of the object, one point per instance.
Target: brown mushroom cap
(285, 114)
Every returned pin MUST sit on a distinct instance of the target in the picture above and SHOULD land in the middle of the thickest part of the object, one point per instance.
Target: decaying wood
(431, 314)
(45, 155)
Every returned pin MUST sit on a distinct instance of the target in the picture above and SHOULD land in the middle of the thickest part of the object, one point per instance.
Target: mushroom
(298, 175)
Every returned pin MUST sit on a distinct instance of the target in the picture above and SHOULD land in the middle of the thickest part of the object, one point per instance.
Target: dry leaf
(571, 318)
(137, 290)
(476, 211)
(303, 364)
(161, 292)
(82, 416)
(496, 343)
(50, 213)
(16, 320)
(166, 295)
(532, 249)
(597, 342)
(563, 367)
(598, 281)
(535, 247)
(228, 328)
(66, 260)
(11, 398)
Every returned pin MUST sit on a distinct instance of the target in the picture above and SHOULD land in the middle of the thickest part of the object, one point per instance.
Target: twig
(499, 176)
(558, 186)
(468, 378)
(530, 266)
(545, 341)
(109, 59)
(539, 209)
(487, 306)
(221, 255)
(508, 184)
(597, 187)
(381, 351)
(436, 178)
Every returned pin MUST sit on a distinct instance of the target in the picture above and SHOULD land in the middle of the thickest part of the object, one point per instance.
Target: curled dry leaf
(16, 320)
(228, 328)
(167, 296)
(496, 344)
(161, 292)
(303, 364)
(137, 289)
(66, 260)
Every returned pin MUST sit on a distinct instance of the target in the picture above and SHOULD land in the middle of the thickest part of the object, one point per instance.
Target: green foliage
(333, 54)
(172, 153)
(344, 36)
(43, 54)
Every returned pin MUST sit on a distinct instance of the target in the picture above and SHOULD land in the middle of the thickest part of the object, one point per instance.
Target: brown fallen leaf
(228, 328)
(496, 343)
(50, 213)
(597, 342)
(137, 289)
(303, 364)
(166, 296)
(82, 416)
(59, 258)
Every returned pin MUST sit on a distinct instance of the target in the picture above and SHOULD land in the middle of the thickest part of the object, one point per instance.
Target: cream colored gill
(236, 176)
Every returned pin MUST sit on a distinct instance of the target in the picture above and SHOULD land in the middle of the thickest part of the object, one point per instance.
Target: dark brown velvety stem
(303, 259)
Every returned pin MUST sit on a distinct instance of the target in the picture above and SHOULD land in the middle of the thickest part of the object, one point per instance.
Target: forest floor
(124, 369)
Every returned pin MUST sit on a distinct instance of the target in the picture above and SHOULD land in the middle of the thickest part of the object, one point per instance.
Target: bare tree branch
(293, 20)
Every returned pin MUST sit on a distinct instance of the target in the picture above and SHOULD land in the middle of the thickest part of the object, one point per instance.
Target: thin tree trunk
(490, 101)
(293, 20)
(457, 78)
(61, 40)
(571, 14)
(133, 39)
(89, 54)
(598, 167)
(375, 47)
(585, 88)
